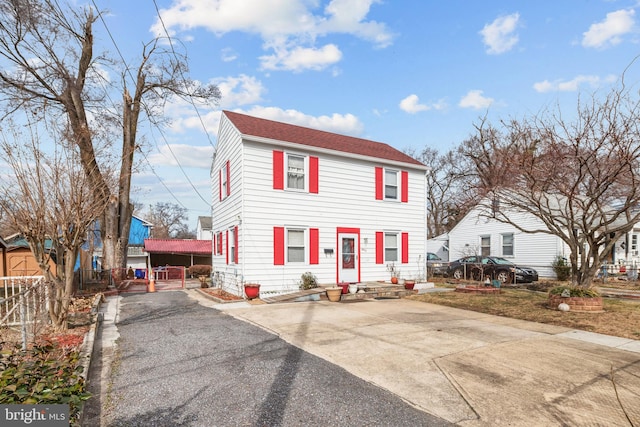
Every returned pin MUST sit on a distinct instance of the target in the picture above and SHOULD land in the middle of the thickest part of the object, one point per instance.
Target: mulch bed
(219, 294)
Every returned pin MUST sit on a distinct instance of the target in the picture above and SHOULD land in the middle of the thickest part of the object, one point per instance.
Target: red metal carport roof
(177, 246)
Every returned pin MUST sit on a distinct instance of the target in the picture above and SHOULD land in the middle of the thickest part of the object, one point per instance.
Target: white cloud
(610, 31)
(474, 99)
(228, 55)
(292, 26)
(411, 104)
(347, 124)
(237, 91)
(571, 85)
(499, 36)
(182, 155)
(300, 58)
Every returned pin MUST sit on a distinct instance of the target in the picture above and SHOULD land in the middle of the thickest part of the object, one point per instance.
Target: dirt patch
(217, 293)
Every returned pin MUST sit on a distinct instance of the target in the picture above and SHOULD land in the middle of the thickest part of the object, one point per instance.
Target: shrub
(561, 268)
(575, 291)
(42, 375)
(308, 281)
(199, 270)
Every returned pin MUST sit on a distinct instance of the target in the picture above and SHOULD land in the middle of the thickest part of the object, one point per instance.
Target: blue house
(91, 254)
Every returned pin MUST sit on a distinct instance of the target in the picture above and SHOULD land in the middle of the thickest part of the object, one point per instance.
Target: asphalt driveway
(180, 363)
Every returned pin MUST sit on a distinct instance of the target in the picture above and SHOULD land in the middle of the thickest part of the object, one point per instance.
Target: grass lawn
(620, 318)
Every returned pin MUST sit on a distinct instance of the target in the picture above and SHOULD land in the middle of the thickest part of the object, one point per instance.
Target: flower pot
(409, 284)
(344, 286)
(334, 294)
(353, 288)
(252, 290)
(394, 280)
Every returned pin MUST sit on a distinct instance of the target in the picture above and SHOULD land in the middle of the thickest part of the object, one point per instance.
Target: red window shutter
(405, 186)
(313, 175)
(220, 184)
(314, 246)
(226, 252)
(228, 167)
(379, 247)
(278, 245)
(278, 170)
(237, 243)
(405, 248)
(379, 183)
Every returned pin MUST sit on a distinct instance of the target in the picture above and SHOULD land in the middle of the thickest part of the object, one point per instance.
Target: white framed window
(391, 184)
(507, 244)
(485, 245)
(296, 248)
(391, 251)
(296, 172)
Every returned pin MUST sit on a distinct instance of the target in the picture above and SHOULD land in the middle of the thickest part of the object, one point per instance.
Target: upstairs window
(391, 184)
(295, 172)
(224, 177)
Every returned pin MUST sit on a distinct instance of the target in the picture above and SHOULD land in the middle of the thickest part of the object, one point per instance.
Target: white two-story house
(289, 200)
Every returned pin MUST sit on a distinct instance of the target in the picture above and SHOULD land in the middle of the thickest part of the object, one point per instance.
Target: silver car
(436, 266)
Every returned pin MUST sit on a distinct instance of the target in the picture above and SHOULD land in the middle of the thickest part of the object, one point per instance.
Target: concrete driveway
(468, 368)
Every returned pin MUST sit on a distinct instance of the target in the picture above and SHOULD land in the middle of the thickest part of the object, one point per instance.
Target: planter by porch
(409, 284)
(344, 286)
(252, 290)
(394, 280)
(334, 294)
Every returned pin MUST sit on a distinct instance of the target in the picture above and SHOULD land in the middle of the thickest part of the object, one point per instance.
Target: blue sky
(410, 73)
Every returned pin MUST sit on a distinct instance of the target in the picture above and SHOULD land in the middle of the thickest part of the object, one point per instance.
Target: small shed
(178, 252)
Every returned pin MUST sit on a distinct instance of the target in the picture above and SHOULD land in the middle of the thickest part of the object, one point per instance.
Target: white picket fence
(23, 302)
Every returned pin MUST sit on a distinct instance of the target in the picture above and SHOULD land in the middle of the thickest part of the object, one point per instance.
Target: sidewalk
(469, 368)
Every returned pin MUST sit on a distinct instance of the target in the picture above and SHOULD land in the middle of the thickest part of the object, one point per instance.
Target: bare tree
(49, 199)
(168, 220)
(449, 195)
(50, 71)
(578, 178)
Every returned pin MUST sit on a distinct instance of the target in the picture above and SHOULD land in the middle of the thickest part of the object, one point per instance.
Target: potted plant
(334, 293)
(409, 283)
(252, 290)
(391, 268)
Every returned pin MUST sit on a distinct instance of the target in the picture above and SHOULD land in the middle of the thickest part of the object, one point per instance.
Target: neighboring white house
(289, 199)
(203, 228)
(476, 234)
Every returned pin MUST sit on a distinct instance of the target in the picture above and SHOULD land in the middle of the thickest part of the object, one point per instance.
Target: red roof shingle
(263, 128)
(178, 246)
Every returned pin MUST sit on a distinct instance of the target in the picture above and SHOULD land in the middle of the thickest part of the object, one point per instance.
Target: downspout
(241, 228)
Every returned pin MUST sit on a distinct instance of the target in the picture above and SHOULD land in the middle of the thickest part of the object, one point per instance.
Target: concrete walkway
(469, 368)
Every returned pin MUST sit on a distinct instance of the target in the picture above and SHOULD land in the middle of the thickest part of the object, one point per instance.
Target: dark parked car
(435, 265)
(494, 268)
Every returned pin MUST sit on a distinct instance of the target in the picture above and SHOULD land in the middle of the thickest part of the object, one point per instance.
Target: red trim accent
(379, 194)
(228, 178)
(236, 240)
(227, 247)
(314, 246)
(220, 184)
(405, 248)
(313, 175)
(278, 245)
(405, 186)
(278, 170)
(379, 247)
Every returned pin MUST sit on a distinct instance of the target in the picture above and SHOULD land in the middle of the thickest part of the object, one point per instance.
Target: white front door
(348, 262)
